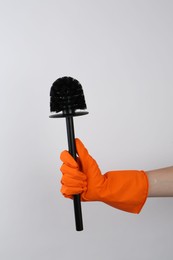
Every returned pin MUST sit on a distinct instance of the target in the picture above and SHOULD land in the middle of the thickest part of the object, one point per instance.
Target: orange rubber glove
(125, 190)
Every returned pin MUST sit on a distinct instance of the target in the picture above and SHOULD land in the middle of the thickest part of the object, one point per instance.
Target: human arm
(160, 182)
(125, 189)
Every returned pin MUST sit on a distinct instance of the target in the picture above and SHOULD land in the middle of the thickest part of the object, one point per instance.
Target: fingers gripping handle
(72, 151)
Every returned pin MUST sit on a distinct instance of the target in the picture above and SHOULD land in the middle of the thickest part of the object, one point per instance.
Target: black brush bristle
(66, 94)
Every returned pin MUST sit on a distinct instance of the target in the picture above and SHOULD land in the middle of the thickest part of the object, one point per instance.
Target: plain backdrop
(122, 54)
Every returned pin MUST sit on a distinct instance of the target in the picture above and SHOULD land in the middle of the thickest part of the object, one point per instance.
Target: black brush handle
(72, 151)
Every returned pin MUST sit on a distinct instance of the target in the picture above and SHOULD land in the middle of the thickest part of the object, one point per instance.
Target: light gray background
(122, 53)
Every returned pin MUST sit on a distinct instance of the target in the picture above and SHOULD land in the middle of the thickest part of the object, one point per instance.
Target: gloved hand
(125, 190)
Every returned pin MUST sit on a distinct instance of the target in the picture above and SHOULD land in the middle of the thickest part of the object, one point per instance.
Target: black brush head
(66, 95)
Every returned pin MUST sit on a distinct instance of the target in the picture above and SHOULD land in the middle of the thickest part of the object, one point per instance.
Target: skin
(160, 182)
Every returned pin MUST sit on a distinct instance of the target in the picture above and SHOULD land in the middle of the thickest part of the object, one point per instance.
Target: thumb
(86, 162)
(81, 151)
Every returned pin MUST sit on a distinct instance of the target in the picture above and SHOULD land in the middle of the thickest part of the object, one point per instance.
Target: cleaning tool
(68, 101)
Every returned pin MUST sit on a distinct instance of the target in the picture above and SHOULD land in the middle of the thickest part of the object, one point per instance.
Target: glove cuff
(126, 190)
